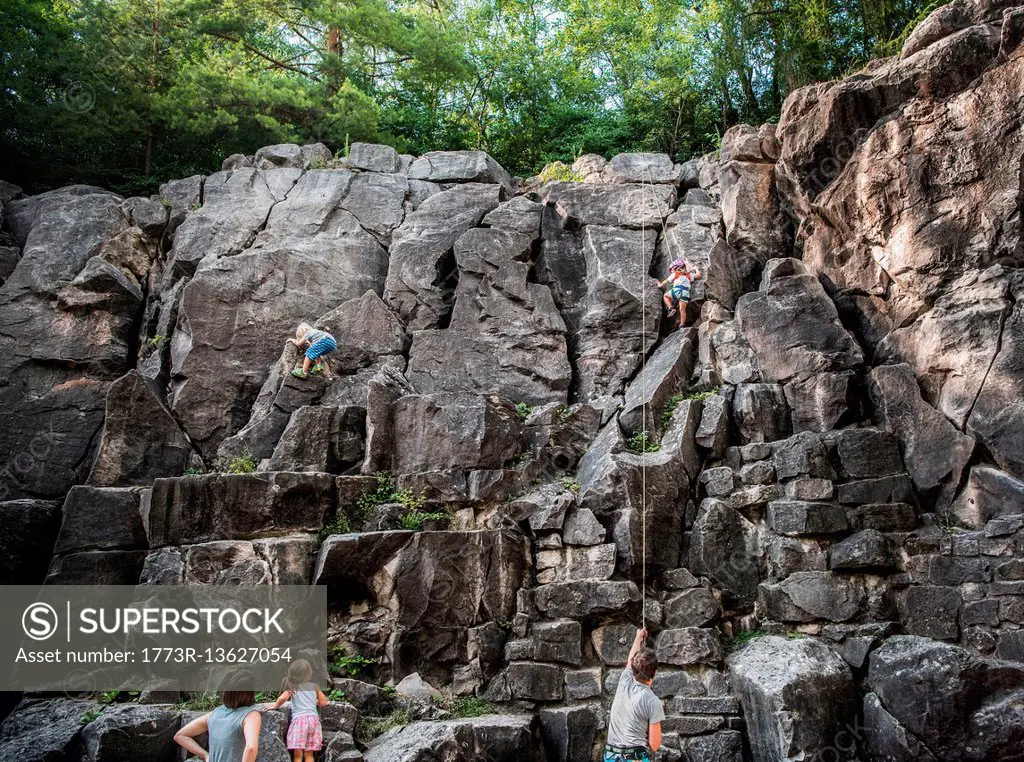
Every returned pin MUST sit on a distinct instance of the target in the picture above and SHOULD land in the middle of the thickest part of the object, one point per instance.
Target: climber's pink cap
(678, 264)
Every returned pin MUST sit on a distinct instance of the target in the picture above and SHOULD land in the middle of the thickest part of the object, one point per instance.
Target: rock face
(512, 460)
(796, 696)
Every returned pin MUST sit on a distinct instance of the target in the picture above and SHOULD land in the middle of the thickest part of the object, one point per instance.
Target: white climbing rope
(644, 410)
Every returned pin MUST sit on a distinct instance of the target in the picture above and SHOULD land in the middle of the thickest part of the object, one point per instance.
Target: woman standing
(233, 728)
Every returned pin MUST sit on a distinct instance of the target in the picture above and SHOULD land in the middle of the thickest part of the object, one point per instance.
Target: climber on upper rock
(679, 280)
(318, 344)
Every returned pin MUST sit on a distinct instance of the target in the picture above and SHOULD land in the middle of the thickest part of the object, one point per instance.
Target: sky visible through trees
(128, 93)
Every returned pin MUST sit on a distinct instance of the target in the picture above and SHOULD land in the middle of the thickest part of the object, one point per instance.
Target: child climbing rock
(305, 734)
(318, 344)
(679, 280)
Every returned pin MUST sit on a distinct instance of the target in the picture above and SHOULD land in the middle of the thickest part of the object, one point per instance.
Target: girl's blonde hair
(302, 330)
(299, 671)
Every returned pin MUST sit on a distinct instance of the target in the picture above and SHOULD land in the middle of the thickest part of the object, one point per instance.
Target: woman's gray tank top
(227, 739)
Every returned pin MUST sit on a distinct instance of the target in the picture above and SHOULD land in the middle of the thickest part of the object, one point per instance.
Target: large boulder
(193, 509)
(934, 451)
(613, 481)
(66, 323)
(101, 519)
(620, 314)
(130, 731)
(45, 731)
(237, 310)
(454, 430)
(422, 272)
(460, 167)
(422, 591)
(286, 560)
(941, 701)
(141, 440)
(491, 737)
(629, 206)
(797, 695)
(29, 530)
(506, 335)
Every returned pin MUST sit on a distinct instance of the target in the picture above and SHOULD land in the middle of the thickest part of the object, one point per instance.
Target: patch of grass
(562, 413)
(334, 694)
(642, 442)
(676, 399)
(91, 715)
(242, 464)
(203, 702)
(263, 697)
(415, 519)
(523, 410)
(385, 492)
(560, 172)
(736, 642)
(193, 471)
(463, 706)
(108, 697)
(377, 726)
(317, 162)
(348, 665)
(570, 484)
(339, 525)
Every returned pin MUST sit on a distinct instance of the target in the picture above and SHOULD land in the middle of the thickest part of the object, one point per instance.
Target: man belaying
(634, 725)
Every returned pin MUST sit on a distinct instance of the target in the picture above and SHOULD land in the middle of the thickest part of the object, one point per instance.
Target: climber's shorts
(680, 293)
(323, 347)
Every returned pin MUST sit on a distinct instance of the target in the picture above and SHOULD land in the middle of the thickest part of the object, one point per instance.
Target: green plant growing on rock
(570, 484)
(559, 172)
(371, 727)
(333, 694)
(523, 410)
(338, 525)
(642, 442)
(200, 702)
(108, 697)
(563, 413)
(462, 706)
(90, 715)
(317, 162)
(415, 519)
(240, 464)
(736, 642)
(348, 665)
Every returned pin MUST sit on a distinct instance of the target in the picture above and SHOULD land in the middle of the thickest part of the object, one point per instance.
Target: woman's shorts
(321, 348)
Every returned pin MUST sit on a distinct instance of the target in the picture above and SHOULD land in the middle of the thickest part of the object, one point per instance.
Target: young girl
(305, 736)
(318, 345)
(678, 296)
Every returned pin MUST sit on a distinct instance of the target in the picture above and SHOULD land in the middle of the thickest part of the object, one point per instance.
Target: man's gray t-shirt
(634, 709)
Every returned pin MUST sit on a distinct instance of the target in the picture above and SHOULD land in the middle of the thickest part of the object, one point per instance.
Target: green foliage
(415, 519)
(462, 706)
(675, 399)
(736, 642)
(371, 727)
(200, 702)
(333, 694)
(126, 95)
(341, 663)
(563, 413)
(385, 492)
(89, 715)
(523, 410)
(339, 525)
(642, 442)
(263, 697)
(193, 471)
(108, 697)
(242, 464)
(558, 171)
(570, 484)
